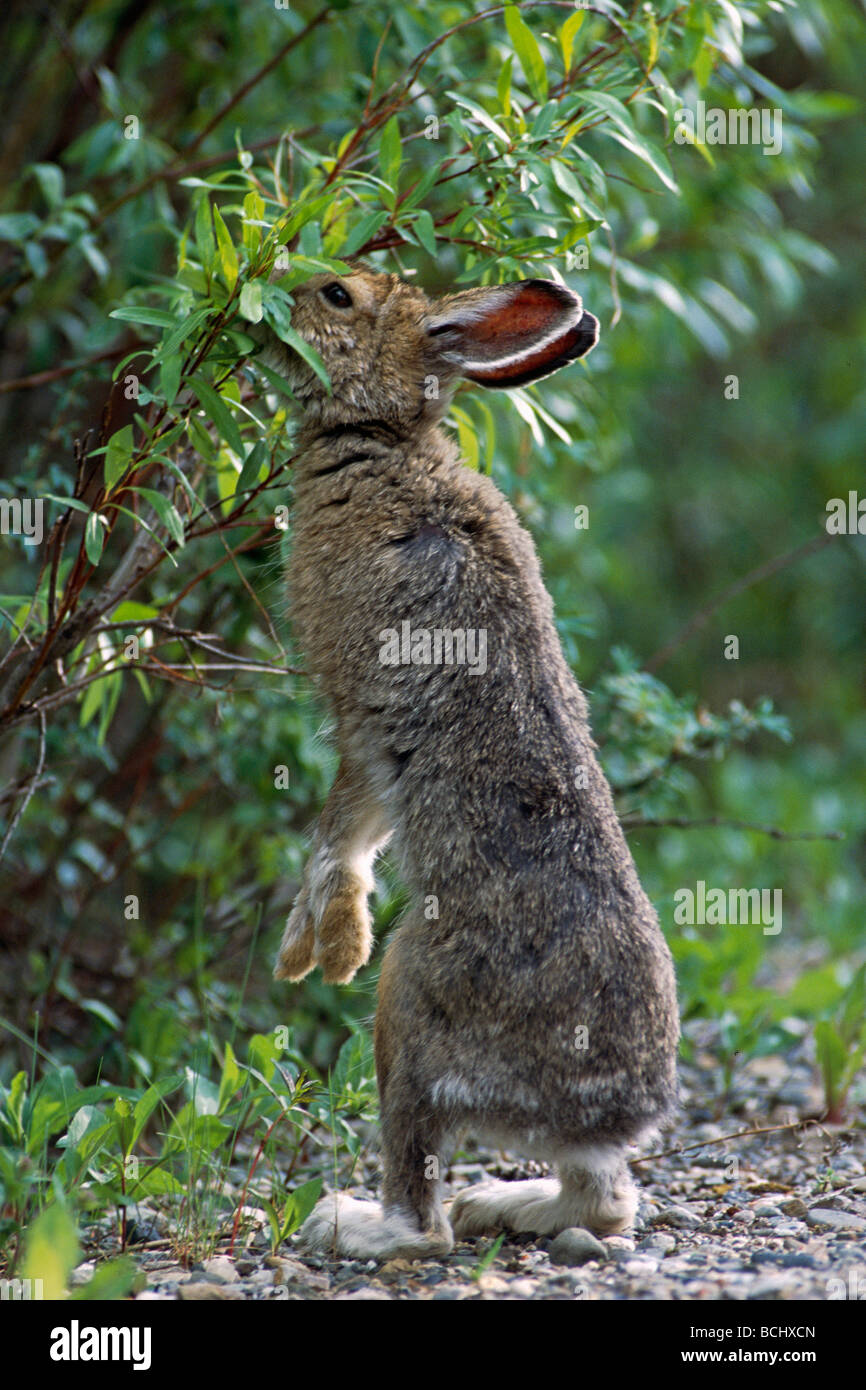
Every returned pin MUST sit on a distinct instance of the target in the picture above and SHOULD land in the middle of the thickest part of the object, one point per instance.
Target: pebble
(221, 1270)
(679, 1217)
(660, 1241)
(204, 1292)
(826, 1219)
(576, 1247)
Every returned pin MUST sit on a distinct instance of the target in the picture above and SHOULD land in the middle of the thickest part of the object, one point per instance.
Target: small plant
(840, 1045)
(486, 1260)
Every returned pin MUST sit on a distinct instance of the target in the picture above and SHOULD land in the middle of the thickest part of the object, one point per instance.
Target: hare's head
(393, 354)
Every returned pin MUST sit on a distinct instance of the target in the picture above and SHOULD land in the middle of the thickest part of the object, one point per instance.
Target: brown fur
(527, 921)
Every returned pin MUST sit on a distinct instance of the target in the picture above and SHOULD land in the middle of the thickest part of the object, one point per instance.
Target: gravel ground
(767, 1216)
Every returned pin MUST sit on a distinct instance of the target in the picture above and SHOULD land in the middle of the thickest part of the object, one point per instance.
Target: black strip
(343, 463)
(364, 429)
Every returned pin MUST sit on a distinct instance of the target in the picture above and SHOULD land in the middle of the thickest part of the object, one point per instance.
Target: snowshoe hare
(528, 996)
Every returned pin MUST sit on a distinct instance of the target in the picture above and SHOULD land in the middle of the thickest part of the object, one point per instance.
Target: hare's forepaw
(344, 927)
(344, 938)
(297, 953)
(342, 1225)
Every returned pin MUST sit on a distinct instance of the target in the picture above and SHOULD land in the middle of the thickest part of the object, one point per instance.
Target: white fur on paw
(360, 1230)
(512, 1206)
(542, 1206)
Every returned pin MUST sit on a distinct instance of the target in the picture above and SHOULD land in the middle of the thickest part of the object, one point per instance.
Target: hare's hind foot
(595, 1192)
(343, 1225)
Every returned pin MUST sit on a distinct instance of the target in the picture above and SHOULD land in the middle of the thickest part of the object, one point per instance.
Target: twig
(754, 576)
(631, 822)
(31, 786)
(26, 383)
(725, 1139)
(257, 77)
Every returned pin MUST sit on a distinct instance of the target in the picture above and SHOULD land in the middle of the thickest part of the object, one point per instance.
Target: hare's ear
(508, 335)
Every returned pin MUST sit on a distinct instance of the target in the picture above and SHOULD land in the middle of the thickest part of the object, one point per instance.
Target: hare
(528, 996)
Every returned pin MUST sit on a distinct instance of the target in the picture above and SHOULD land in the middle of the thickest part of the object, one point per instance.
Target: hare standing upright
(528, 996)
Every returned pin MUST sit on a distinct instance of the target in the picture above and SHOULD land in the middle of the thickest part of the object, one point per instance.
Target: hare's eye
(336, 295)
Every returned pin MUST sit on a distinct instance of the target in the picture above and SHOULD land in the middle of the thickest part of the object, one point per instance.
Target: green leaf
(228, 256)
(231, 1080)
(51, 182)
(503, 85)
(293, 339)
(51, 1251)
(110, 1282)
(390, 153)
(204, 236)
(649, 153)
(16, 226)
(253, 464)
(299, 1206)
(303, 214)
(142, 313)
(169, 377)
(219, 414)
(254, 212)
(153, 1096)
(251, 301)
(425, 231)
(165, 510)
(363, 232)
(528, 53)
(73, 502)
(117, 455)
(182, 330)
(100, 1009)
(482, 116)
(94, 537)
(568, 34)
(273, 379)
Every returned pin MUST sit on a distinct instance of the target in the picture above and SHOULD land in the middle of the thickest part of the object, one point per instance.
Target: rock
(825, 1219)
(523, 1288)
(679, 1217)
(371, 1294)
(82, 1274)
(770, 1289)
(494, 1285)
(393, 1270)
(615, 1243)
(221, 1270)
(793, 1207)
(576, 1247)
(798, 1259)
(208, 1293)
(660, 1242)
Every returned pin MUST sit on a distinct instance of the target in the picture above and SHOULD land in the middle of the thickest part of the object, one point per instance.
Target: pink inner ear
(554, 353)
(532, 310)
